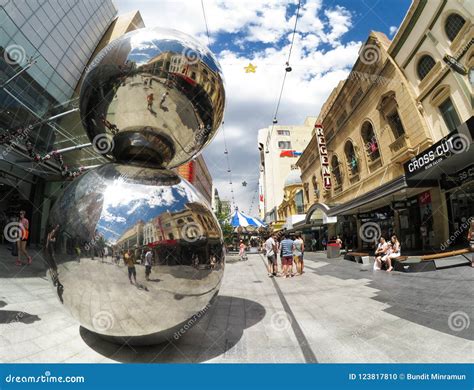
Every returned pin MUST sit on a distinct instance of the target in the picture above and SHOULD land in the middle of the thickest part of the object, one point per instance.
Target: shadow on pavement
(214, 335)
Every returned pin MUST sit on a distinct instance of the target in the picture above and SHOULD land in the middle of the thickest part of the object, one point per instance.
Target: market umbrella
(239, 219)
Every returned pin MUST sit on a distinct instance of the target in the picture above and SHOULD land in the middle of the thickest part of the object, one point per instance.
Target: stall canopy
(239, 219)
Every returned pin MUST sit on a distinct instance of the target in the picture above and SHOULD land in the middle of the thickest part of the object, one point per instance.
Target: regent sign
(323, 155)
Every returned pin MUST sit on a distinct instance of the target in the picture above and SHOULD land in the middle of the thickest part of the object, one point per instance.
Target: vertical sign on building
(323, 156)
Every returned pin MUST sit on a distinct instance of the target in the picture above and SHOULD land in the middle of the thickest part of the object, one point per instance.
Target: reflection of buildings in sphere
(187, 270)
(188, 96)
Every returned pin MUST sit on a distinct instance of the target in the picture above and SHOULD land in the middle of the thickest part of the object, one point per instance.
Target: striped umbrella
(240, 219)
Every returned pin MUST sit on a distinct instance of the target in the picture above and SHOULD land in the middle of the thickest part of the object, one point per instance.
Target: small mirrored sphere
(153, 95)
(135, 254)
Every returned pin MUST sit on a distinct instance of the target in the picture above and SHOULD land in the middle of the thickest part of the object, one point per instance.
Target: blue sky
(328, 39)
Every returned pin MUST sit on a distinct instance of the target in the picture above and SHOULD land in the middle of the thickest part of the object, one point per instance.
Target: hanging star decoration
(244, 184)
(250, 68)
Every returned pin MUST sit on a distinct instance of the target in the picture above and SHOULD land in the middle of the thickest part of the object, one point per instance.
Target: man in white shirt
(148, 263)
(271, 253)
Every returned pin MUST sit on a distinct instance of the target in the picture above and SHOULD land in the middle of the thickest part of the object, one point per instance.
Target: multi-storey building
(280, 146)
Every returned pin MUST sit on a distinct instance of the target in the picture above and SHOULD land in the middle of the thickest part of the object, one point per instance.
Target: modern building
(280, 146)
(45, 47)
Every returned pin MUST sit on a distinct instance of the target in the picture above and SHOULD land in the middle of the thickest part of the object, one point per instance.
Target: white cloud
(393, 30)
(319, 60)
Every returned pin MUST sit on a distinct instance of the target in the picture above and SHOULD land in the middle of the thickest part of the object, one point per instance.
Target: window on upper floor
(396, 124)
(351, 158)
(453, 25)
(370, 141)
(283, 132)
(284, 144)
(336, 170)
(425, 64)
(449, 114)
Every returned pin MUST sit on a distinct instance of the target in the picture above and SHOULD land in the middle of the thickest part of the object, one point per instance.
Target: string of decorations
(15, 137)
(226, 151)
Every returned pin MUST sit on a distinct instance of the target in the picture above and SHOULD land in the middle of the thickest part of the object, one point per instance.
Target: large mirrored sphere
(156, 94)
(107, 221)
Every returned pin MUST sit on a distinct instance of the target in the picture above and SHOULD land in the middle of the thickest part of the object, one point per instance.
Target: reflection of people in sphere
(24, 227)
(149, 100)
(148, 262)
(470, 237)
(163, 98)
(129, 261)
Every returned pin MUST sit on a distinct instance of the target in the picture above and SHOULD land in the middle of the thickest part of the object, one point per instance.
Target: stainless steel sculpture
(136, 204)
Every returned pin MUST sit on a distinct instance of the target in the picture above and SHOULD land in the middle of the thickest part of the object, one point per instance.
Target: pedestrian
(163, 98)
(298, 254)
(314, 244)
(286, 254)
(148, 263)
(242, 250)
(324, 243)
(24, 226)
(149, 100)
(129, 261)
(339, 241)
(470, 237)
(270, 247)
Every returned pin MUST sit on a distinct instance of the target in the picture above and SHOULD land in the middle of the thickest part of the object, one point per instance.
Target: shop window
(453, 25)
(370, 141)
(396, 124)
(449, 114)
(425, 64)
(336, 170)
(351, 158)
(284, 144)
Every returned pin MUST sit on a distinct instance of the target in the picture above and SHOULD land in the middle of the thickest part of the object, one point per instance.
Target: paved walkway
(338, 311)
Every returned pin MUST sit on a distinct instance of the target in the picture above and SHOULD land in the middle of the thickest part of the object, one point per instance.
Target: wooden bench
(434, 256)
(358, 257)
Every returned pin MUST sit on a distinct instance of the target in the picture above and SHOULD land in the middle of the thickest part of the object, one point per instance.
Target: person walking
(287, 247)
(150, 100)
(298, 254)
(148, 263)
(24, 225)
(130, 262)
(163, 98)
(270, 247)
(242, 250)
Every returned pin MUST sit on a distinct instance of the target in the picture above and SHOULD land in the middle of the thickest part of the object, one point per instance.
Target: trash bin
(334, 250)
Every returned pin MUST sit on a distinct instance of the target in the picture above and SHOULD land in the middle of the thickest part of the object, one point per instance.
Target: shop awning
(447, 157)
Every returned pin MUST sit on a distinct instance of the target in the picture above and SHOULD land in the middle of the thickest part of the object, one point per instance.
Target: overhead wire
(226, 150)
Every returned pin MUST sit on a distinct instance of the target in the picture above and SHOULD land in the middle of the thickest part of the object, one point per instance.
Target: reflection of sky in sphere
(124, 205)
(150, 43)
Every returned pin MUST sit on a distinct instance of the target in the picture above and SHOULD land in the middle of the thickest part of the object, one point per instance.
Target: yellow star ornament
(250, 68)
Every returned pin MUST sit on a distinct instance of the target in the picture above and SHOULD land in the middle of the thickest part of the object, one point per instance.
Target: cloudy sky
(329, 35)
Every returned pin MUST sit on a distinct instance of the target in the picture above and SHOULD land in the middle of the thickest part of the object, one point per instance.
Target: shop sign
(424, 198)
(323, 155)
(455, 65)
(434, 155)
(459, 178)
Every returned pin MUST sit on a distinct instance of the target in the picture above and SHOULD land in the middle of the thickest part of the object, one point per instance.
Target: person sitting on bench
(393, 253)
(381, 251)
